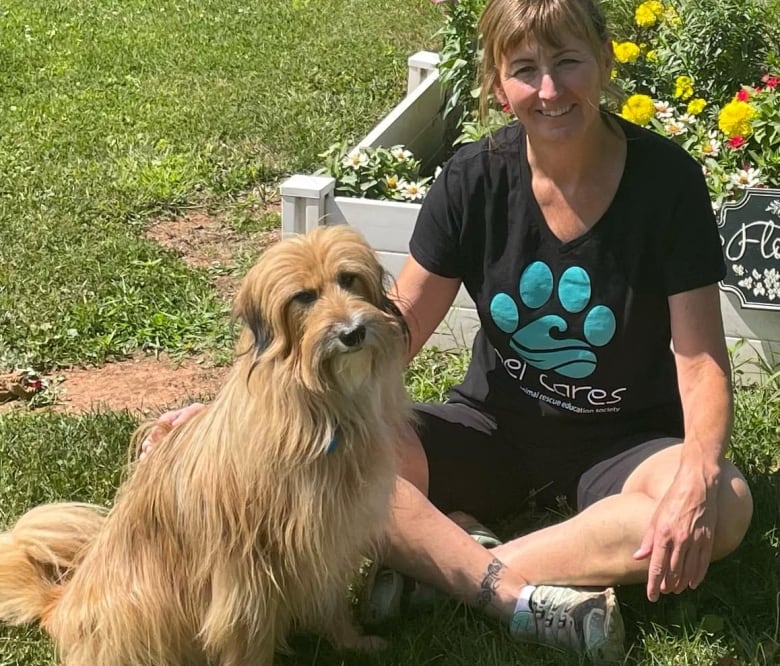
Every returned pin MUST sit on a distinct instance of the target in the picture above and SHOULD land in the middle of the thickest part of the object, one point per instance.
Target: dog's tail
(38, 555)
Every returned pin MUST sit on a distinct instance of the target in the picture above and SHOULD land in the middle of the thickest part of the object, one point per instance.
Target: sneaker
(387, 593)
(586, 620)
(481, 534)
(381, 597)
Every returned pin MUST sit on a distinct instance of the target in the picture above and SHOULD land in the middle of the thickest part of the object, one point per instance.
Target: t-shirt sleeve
(436, 239)
(692, 255)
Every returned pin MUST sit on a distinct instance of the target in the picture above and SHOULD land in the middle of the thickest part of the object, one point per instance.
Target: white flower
(355, 159)
(758, 289)
(663, 109)
(746, 178)
(738, 269)
(747, 282)
(772, 277)
(774, 207)
(391, 181)
(413, 191)
(400, 154)
(687, 118)
(675, 128)
(772, 282)
(711, 146)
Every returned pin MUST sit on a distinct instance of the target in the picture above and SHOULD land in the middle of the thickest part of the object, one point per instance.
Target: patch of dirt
(143, 384)
(204, 241)
(150, 385)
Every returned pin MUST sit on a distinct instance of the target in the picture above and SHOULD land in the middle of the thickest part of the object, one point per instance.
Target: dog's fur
(242, 525)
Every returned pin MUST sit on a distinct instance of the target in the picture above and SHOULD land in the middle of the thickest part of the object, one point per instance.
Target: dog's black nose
(353, 337)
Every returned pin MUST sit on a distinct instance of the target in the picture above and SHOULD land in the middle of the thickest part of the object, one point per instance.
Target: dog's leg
(342, 632)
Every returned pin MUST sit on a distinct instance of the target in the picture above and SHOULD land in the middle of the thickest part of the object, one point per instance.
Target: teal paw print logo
(541, 342)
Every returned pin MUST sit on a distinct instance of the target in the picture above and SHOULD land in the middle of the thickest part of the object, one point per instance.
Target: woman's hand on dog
(167, 422)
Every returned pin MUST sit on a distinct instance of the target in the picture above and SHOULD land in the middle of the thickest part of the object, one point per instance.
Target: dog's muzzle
(353, 337)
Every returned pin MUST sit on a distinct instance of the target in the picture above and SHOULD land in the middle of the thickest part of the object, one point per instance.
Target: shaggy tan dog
(251, 518)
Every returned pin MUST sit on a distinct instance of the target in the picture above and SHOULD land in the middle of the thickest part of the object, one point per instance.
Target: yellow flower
(696, 106)
(648, 13)
(651, 56)
(625, 51)
(734, 119)
(644, 17)
(638, 109)
(683, 87)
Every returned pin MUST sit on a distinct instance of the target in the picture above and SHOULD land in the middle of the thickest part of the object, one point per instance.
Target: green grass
(112, 111)
(732, 619)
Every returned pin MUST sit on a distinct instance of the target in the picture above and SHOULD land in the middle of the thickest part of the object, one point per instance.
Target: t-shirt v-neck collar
(538, 215)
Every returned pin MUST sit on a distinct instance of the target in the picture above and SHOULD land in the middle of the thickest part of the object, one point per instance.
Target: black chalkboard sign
(750, 234)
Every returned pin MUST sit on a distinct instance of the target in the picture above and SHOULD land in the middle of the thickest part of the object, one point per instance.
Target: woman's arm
(423, 298)
(679, 539)
(703, 374)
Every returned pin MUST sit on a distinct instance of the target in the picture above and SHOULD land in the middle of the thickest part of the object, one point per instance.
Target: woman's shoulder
(488, 156)
(657, 152)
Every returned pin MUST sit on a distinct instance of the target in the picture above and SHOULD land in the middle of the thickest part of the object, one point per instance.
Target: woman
(588, 245)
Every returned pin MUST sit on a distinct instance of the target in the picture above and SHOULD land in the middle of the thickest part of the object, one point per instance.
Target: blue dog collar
(334, 442)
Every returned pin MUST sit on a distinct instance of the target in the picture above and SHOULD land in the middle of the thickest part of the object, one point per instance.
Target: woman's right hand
(167, 422)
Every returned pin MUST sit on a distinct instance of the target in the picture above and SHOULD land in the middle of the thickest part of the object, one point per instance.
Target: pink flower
(771, 81)
(736, 142)
(743, 95)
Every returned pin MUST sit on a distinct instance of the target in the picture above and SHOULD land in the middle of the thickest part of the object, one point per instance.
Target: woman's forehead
(532, 47)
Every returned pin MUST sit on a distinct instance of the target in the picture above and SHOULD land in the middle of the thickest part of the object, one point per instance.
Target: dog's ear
(249, 312)
(389, 306)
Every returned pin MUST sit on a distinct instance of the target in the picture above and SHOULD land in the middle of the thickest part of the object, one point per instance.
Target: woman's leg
(596, 546)
(426, 545)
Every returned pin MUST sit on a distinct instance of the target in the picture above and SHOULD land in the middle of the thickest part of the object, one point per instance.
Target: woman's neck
(572, 162)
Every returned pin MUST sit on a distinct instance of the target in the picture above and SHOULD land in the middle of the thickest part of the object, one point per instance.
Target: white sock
(523, 601)
(521, 620)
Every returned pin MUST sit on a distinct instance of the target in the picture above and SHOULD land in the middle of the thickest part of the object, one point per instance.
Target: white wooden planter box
(309, 201)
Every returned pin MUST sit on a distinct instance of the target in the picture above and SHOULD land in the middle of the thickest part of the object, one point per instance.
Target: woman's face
(553, 91)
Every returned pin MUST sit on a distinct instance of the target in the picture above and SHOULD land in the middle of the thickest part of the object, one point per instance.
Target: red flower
(743, 95)
(736, 142)
(771, 81)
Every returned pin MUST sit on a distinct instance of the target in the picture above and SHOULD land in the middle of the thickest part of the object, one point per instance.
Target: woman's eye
(305, 296)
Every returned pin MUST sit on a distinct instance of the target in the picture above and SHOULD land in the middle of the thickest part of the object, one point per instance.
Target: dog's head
(318, 303)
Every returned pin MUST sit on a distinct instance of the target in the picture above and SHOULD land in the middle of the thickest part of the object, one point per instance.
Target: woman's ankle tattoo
(489, 584)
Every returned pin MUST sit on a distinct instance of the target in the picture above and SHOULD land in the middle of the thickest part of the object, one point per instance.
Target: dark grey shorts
(479, 467)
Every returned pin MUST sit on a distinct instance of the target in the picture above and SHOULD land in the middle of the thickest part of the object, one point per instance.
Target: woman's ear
(498, 91)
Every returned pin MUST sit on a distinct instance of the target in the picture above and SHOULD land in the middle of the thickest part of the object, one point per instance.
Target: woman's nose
(548, 89)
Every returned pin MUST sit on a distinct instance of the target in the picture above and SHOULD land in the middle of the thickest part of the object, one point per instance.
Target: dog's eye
(305, 296)
(346, 280)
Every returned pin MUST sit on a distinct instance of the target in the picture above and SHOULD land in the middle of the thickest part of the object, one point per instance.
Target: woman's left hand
(679, 539)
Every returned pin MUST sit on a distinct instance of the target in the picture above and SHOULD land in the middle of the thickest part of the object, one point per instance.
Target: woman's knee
(735, 510)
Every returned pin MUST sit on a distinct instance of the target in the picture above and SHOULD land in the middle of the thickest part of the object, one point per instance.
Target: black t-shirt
(575, 336)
